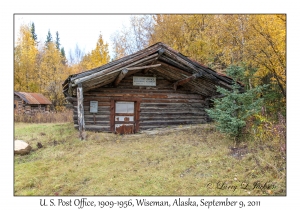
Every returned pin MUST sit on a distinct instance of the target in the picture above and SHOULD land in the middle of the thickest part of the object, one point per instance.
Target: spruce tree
(63, 54)
(57, 39)
(62, 51)
(33, 34)
(49, 38)
(232, 110)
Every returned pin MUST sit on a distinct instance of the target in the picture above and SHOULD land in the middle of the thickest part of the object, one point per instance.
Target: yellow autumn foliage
(39, 70)
(25, 67)
(97, 57)
(218, 41)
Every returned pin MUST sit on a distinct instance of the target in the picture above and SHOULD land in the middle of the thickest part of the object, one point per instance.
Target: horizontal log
(95, 128)
(139, 73)
(150, 115)
(146, 100)
(91, 117)
(147, 95)
(178, 122)
(91, 122)
(99, 112)
(151, 100)
(104, 103)
(147, 90)
(192, 106)
(171, 110)
(172, 105)
(168, 113)
(150, 127)
(100, 108)
(174, 118)
(135, 89)
(100, 103)
(94, 98)
(143, 67)
(158, 110)
(145, 71)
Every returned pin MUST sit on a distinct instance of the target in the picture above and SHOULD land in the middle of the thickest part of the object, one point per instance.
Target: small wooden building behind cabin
(30, 103)
(151, 88)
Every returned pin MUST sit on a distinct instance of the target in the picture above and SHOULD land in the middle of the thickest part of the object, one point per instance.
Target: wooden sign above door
(144, 81)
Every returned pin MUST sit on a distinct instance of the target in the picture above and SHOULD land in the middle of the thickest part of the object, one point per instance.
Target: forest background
(254, 45)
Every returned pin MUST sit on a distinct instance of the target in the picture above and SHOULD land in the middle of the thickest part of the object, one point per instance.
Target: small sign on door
(93, 106)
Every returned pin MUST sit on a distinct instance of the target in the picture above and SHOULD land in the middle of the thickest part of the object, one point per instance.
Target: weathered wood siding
(18, 104)
(159, 106)
(21, 106)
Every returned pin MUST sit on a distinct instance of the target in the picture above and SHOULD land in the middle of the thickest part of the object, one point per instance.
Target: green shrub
(231, 111)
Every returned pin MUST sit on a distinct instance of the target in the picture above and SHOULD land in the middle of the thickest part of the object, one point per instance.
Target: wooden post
(120, 77)
(185, 80)
(80, 111)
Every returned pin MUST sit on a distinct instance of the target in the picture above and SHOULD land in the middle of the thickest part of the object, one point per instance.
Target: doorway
(124, 117)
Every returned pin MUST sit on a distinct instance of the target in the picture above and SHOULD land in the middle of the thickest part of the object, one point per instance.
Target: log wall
(18, 104)
(21, 106)
(160, 106)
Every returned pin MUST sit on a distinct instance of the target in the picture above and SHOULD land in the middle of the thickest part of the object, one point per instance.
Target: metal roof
(33, 98)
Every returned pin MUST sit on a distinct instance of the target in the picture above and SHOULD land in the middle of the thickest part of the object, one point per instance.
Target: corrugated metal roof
(33, 98)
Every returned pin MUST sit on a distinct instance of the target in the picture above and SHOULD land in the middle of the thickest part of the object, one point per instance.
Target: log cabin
(30, 103)
(152, 88)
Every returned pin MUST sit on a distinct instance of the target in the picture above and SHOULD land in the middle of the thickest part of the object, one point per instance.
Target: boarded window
(124, 107)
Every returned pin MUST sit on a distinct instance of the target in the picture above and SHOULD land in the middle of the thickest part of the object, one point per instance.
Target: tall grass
(44, 117)
(196, 160)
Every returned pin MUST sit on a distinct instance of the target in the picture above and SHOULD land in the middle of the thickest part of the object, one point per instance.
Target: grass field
(196, 160)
